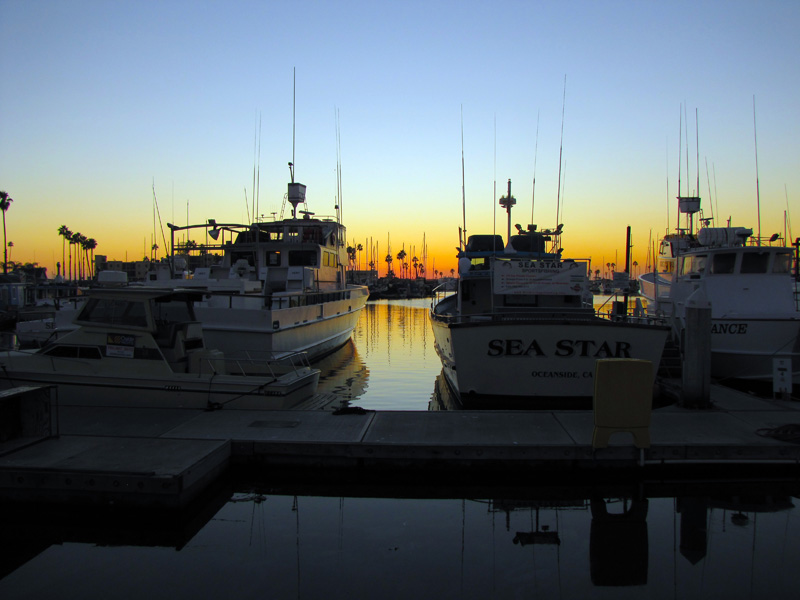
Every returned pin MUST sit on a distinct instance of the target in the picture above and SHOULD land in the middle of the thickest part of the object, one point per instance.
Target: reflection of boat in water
(145, 348)
(344, 373)
(750, 288)
(522, 325)
(494, 537)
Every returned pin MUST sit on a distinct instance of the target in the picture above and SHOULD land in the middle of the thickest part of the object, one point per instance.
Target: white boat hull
(317, 329)
(538, 360)
(746, 348)
(79, 384)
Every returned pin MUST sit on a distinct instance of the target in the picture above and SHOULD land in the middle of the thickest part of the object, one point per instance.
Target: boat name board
(539, 276)
(564, 348)
(729, 328)
(119, 345)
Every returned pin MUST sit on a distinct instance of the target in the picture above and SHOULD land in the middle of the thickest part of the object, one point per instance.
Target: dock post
(696, 352)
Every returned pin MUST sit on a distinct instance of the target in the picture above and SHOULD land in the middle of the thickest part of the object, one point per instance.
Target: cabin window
(329, 259)
(114, 312)
(694, 265)
(303, 258)
(755, 262)
(783, 263)
(273, 259)
(293, 235)
(478, 264)
(723, 263)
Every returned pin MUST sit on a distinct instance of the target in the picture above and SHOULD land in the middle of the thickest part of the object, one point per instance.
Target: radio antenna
(535, 154)
(758, 195)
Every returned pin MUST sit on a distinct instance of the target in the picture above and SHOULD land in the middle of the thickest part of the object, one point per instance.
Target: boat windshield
(783, 262)
(755, 262)
(723, 263)
(114, 312)
(693, 264)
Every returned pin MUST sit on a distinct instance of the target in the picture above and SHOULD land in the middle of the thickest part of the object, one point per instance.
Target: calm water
(278, 535)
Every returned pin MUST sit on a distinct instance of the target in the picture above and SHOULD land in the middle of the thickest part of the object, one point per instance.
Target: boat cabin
(521, 277)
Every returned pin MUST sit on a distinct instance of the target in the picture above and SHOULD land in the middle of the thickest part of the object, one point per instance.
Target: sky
(120, 116)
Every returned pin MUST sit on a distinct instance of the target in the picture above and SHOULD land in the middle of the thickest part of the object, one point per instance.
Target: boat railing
(551, 315)
(269, 364)
(442, 291)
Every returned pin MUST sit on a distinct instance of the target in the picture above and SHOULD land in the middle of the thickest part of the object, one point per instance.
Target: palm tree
(63, 231)
(359, 248)
(5, 203)
(75, 240)
(388, 264)
(415, 260)
(400, 256)
(91, 244)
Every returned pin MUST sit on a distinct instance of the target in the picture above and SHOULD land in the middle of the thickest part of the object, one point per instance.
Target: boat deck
(166, 457)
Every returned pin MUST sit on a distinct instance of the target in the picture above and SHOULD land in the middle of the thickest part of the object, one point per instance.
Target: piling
(696, 352)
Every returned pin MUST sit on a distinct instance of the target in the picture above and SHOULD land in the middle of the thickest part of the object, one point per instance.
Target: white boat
(145, 348)
(280, 287)
(751, 289)
(522, 326)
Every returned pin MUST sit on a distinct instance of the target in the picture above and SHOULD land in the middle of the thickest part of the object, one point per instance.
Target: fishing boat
(145, 348)
(750, 284)
(751, 290)
(280, 286)
(521, 328)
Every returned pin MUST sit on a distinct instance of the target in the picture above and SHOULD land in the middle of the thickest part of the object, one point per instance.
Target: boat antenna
(246, 205)
(788, 216)
(560, 152)
(257, 193)
(255, 143)
(494, 186)
(697, 147)
(294, 113)
(666, 160)
(535, 155)
(710, 198)
(339, 204)
(680, 149)
(758, 195)
(462, 237)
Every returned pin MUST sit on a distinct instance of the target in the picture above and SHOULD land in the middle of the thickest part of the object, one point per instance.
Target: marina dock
(167, 457)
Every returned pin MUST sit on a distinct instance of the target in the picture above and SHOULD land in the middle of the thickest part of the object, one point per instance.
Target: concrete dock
(166, 457)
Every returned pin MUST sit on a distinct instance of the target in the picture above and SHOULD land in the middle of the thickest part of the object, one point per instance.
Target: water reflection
(394, 340)
(284, 537)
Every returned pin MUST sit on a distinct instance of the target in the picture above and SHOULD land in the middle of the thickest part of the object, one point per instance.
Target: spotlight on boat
(214, 233)
(774, 237)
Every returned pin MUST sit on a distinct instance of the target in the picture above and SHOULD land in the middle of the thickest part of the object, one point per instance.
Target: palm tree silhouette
(400, 256)
(91, 244)
(5, 203)
(64, 232)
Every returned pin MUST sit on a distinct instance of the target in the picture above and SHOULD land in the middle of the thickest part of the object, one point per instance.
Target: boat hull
(535, 360)
(746, 348)
(247, 329)
(80, 385)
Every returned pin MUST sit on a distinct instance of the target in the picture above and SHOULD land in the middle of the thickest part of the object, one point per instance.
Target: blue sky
(105, 100)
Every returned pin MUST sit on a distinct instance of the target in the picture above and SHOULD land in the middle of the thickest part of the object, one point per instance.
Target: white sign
(539, 277)
(781, 375)
(119, 345)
